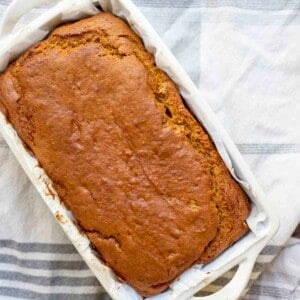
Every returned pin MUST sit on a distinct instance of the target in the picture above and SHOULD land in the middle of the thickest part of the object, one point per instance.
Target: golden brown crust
(139, 173)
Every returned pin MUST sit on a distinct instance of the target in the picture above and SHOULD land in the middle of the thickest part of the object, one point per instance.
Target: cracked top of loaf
(139, 173)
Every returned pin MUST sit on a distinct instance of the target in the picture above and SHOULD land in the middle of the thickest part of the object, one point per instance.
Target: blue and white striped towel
(245, 58)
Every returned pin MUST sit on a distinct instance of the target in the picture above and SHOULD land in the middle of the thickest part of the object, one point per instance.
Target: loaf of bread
(141, 176)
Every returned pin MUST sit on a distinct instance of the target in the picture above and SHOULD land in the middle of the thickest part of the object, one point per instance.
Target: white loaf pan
(263, 221)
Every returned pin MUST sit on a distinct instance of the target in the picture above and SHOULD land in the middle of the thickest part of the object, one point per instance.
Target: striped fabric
(45, 271)
(56, 271)
(219, 43)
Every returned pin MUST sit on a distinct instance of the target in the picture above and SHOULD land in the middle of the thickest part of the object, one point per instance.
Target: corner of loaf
(136, 169)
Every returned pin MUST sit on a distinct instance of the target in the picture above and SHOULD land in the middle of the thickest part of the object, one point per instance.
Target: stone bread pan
(263, 222)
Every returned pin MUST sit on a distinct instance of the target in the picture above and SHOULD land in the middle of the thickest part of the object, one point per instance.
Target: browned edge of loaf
(227, 196)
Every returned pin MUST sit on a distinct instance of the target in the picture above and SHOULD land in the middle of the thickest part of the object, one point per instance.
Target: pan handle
(235, 287)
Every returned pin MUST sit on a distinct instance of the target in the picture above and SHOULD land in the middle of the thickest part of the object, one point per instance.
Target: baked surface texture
(139, 173)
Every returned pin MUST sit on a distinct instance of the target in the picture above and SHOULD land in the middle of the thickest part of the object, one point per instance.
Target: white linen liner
(262, 221)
